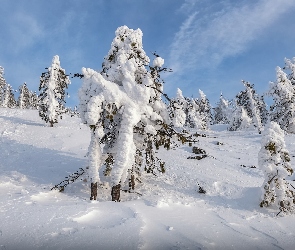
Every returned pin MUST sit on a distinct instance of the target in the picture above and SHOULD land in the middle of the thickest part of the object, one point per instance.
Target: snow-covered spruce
(123, 107)
(177, 109)
(282, 110)
(52, 92)
(222, 112)
(2, 85)
(204, 110)
(253, 104)
(290, 65)
(185, 112)
(8, 100)
(240, 119)
(24, 99)
(274, 161)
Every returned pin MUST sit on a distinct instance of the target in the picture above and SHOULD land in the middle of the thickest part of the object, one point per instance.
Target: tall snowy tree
(290, 65)
(2, 85)
(252, 104)
(177, 109)
(124, 109)
(282, 110)
(53, 84)
(195, 119)
(274, 161)
(204, 109)
(24, 99)
(239, 119)
(34, 100)
(8, 97)
(185, 112)
(222, 112)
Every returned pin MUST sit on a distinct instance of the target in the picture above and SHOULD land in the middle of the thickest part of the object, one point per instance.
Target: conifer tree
(282, 110)
(8, 98)
(290, 65)
(2, 85)
(240, 119)
(24, 99)
(53, 84)
(204, 109)
(123, 107)
(274, 161)
(178, 109)
(34, 100)
(252, 104)
(195, 119)
(222, 111)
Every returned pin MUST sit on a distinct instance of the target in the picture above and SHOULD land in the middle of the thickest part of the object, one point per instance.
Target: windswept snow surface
(170, 214)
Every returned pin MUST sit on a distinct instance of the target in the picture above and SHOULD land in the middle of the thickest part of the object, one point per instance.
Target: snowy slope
(170, 213)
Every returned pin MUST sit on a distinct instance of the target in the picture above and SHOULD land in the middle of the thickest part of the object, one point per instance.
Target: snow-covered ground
(170, 213)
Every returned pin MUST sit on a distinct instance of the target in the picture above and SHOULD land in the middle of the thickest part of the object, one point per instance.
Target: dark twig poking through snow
(68, 180)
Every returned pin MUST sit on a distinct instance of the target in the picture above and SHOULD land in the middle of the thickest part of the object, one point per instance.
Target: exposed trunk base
(93, 194)
(132, 182)
(116, 193)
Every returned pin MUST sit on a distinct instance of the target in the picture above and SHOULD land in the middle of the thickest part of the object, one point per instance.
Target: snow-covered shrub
(123, 107)
(282, 110)
(274, 161)
(52, 92)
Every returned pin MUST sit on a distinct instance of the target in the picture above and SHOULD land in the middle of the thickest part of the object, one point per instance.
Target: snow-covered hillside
(168, 212)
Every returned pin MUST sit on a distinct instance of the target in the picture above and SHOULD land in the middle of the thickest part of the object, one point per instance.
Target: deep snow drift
(170, 213)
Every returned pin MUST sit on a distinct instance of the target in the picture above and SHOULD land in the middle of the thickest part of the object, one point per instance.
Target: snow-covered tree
(194, 118)
(123, 107)
(282, 110)
(274, 161)
(290, 65)
(253, 105)
(2, 85)
(24, 99)
(240, 119)
(177, 109)
(8, 97)
(53, 84)
(222, 112)
(204, 109)
(185, 112)
(34, 100)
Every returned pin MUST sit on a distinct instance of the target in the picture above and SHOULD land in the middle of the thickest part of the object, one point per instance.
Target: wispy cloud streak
(207, 36)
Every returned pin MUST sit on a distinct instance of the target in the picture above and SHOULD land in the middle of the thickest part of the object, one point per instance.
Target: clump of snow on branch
(158, 62)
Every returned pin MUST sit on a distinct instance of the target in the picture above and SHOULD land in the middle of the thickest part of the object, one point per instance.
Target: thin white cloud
(24, 31)
(205, 38)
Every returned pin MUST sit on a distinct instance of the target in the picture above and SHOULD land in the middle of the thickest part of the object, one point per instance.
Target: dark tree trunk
(116, 193)
(132, 182)
(93, 194)
(51, 123)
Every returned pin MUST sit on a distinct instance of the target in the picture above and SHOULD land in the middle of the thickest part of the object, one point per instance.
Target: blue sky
(210, 45)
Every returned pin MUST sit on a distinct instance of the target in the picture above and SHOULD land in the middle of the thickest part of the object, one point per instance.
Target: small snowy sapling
(274, 161)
